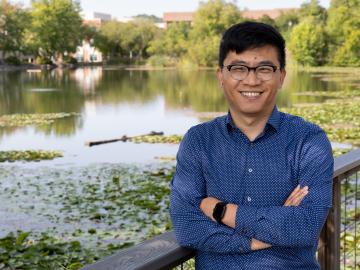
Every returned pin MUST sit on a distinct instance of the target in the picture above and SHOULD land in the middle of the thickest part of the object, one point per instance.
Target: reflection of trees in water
(300, 82)
(70, 90)
(64, 127)
(11, 88)
(44, 92)
(197, 89)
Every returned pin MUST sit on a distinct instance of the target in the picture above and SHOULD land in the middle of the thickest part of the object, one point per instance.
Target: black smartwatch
(219, 211)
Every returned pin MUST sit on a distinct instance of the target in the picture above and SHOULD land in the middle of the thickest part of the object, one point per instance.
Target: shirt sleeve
(192, 228)
(296, 226)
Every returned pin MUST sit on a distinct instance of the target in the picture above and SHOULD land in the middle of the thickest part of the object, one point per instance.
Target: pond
(113, 102)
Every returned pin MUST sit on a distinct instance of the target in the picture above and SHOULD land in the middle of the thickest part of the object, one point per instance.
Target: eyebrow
(240, 62)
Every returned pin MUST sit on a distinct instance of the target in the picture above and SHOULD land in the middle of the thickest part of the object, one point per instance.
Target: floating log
(123, 138)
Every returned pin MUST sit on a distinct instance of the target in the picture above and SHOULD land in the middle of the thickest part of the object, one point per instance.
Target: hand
(257, 244)
(207, 206)
(296, 196)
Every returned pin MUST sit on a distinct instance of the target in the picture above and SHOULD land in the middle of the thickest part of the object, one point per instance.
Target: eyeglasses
(240, 72)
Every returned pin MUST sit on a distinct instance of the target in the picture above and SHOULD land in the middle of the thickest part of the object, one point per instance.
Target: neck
(250, 124)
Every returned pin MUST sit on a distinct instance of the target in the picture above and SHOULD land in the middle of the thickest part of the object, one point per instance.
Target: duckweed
(28, 155)
(19, 120)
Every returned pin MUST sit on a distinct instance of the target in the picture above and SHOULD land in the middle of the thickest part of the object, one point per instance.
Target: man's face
(252, 96)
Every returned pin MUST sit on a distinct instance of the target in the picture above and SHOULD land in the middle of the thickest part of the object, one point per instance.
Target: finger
(299, 197)
(293, 193)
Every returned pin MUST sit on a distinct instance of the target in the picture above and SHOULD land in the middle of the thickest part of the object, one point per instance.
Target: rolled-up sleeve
(188, 187)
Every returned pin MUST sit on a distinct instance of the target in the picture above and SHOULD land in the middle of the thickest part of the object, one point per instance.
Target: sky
(128, 8)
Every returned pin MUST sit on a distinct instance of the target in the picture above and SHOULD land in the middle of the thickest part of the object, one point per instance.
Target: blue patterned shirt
(216, 159)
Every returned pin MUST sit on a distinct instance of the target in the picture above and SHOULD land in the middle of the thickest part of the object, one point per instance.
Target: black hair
(248, 35)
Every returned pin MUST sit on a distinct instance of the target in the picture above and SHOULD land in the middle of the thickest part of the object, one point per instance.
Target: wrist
(219, 212)
(229, 218)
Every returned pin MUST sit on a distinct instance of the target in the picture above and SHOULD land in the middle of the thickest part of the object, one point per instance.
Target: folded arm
(192, 228)
(291, 226)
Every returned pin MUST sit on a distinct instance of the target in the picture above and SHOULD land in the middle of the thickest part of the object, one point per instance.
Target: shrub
(12, 60)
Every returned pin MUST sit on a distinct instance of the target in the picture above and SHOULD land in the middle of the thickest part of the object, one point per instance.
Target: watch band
(219, 211)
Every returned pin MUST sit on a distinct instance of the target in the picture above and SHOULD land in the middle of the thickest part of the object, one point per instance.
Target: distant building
(188, 17)
(172, 17)
(95, 19)
(272, 13)
(87, 53)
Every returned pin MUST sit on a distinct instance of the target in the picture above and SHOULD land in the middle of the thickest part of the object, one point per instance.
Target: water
(115, 102)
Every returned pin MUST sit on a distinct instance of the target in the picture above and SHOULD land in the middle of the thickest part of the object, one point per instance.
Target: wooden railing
(339, 239)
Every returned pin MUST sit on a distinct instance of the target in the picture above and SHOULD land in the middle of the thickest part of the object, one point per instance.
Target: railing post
(330, 255)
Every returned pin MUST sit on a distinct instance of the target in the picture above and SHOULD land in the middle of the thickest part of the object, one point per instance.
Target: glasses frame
(228, 67)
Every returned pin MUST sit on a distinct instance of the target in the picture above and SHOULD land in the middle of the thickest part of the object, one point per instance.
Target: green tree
(267, 19)
(211, 20)
(313, 10)
(13, 22)
(136, 36)
(308, 43)
(108, 38)
(56, 27)
(343, 26)
(173, 41)
(151, 18)
(286, 21)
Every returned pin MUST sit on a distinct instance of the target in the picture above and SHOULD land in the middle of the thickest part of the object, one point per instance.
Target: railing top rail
(161, 252)
(347, 162)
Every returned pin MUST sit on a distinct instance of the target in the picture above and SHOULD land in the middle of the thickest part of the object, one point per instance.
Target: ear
(219, 76)
(282, 76)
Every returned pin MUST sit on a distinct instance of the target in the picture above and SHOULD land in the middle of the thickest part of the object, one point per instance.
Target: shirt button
(241, 249)
(250, 170)
(249, 199)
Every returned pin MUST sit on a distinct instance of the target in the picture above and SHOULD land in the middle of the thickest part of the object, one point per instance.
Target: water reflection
(87, 79)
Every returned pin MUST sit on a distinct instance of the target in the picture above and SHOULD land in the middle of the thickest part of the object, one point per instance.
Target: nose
(251, 78)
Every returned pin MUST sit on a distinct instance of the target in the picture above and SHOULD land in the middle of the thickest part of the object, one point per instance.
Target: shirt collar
(274, 120)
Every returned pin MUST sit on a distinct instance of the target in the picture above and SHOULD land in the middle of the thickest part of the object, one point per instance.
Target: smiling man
(252, 189)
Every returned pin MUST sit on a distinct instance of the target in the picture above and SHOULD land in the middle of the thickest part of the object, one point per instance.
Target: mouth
(250, 94)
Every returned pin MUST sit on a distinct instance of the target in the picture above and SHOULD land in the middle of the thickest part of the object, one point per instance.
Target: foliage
(13, 22)
(137, 35)
(70, 60)
(268, 20)
(286, 21)
(173, 139)
(96, 210)
(12, 60)
(308, 43)
(28, 155)
(43, 60)
(173, 42)
(17, 120)
(340, 118)
(56, 27)
(17, 251)
(343, 26)
(313, 10)
(211, 20)
(161, 61)
(132, 38)
(151, 18)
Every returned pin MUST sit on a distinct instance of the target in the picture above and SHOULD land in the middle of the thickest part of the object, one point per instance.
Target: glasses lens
(239, 72)
(264, 73)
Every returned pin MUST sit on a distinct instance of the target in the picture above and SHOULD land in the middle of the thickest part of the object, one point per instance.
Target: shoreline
(37, 67)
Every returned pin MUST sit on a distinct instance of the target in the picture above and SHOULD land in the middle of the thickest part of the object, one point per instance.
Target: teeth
(251, 94)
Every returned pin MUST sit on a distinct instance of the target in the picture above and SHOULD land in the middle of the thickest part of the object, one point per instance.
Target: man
(252, 189)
